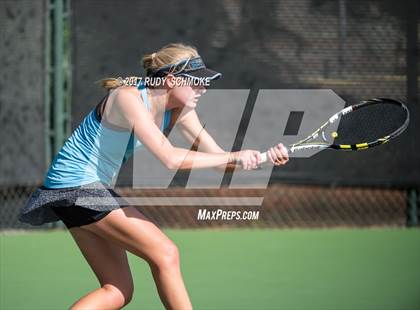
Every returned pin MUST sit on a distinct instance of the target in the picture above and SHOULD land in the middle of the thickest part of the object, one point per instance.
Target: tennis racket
(367, 124)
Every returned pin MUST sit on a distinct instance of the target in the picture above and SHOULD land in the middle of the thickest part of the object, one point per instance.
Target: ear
(170, 81)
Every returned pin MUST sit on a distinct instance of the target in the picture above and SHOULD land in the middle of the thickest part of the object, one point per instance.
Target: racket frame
(307, 144)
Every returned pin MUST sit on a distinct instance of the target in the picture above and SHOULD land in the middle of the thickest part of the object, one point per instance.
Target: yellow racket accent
(345, 146)
(362, 145)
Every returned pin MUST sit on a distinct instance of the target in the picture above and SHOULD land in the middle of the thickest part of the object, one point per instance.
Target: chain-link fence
(360, 49)
(12, 198)
(21, 92)
(284, 206)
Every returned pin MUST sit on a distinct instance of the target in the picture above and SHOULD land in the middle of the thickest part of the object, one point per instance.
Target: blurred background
(53, 51)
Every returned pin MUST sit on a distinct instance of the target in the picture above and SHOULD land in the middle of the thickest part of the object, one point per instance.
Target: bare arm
(130, 106)
(190, 126)
(194, 132)
(192, 129)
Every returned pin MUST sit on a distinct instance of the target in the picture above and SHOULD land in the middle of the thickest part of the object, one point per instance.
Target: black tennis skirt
(75, 206)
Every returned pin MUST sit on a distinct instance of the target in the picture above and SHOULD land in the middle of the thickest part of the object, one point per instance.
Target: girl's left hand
(278, 155)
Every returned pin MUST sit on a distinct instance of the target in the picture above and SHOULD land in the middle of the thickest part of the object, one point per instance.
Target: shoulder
(127, 99)
(127, 104)
(126, 91)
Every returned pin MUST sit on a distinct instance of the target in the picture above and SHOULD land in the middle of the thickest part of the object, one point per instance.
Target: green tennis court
(232, 269)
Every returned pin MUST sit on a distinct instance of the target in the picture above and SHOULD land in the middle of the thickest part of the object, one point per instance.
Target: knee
(119, 296)
(167, 257)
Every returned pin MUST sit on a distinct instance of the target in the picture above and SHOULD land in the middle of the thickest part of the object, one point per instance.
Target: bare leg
(103, 298)
(129, 229)
(165, 281)
(110, 265)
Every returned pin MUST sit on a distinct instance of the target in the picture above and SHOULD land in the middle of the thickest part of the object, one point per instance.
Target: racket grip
(264, 158)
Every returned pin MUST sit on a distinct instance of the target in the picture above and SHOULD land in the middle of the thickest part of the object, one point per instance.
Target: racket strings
(370, 123)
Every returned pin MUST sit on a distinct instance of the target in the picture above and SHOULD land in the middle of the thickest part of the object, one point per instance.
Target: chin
(191, 104)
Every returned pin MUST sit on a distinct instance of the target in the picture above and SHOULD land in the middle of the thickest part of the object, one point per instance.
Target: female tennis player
(87, 165)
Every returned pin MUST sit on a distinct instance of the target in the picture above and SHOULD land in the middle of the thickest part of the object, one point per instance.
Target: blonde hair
(169, 54)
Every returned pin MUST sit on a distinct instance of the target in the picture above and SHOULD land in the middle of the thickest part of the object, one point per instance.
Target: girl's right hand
(248, 159)
(278, 155)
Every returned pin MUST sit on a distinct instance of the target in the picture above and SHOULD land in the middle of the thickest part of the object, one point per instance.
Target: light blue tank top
(94, 152)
